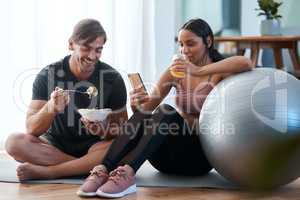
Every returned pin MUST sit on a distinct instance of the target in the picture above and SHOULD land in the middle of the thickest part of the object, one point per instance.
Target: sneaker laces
(118, 174)
(98, 171)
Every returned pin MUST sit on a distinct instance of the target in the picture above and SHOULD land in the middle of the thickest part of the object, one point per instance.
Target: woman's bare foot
(28, 171)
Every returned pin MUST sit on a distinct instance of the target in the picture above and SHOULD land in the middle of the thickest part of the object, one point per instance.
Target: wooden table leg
(295, 59)
(240, 50)
(254, 53)
(278, 57)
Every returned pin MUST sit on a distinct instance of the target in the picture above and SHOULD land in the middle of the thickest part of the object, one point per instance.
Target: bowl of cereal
(94, 115)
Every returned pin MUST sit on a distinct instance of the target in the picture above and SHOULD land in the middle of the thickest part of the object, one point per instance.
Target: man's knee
(100, 146)
(15, 142)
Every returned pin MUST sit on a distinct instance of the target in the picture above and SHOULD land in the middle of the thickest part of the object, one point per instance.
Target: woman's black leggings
(164, 139)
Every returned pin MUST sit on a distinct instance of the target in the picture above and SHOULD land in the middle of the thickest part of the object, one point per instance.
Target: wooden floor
(67, 192)
(13, 191)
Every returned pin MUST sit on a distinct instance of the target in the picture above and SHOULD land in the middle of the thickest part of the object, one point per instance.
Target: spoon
(91, 91)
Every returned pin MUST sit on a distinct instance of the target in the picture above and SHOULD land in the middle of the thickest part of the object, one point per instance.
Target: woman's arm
(225, 67)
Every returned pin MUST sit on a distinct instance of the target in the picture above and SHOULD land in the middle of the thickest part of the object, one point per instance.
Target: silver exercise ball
(250, 128)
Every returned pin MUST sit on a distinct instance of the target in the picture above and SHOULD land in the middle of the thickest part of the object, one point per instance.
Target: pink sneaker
(98, 176)
(121, 182)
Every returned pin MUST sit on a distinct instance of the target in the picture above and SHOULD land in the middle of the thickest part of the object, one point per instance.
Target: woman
(166, 137)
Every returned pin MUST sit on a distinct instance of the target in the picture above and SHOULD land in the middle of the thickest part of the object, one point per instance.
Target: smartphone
(136, 81)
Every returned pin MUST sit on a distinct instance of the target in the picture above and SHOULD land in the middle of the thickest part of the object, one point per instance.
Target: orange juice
(177, 74)
(174, 73)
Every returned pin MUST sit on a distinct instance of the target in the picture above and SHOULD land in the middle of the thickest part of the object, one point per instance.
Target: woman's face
(192, 46)
(87, 55)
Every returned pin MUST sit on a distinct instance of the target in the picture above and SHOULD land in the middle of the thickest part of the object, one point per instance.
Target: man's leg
(28, 148)
(73, 167)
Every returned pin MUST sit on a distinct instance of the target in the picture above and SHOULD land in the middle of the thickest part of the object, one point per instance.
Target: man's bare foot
(28, 171)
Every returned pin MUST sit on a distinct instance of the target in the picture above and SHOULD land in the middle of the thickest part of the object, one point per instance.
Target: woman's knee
(165, 108)
(166, 113)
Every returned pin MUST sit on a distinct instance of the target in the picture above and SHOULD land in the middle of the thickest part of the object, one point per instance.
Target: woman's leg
(170, 145)
(121, 181)
(181, 155)
(164, 121)
(131, 133)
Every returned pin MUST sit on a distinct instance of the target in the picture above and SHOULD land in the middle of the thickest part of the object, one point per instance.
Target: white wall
(209, 10)
(290, 26)
(290, 12)
(165, 26)
(249, 21)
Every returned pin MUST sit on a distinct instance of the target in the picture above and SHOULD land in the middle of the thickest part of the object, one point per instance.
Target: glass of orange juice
(174, 73)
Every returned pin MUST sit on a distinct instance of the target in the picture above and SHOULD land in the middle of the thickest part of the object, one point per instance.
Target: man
(58, 141)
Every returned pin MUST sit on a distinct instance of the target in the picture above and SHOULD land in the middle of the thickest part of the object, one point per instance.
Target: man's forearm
(38, 123)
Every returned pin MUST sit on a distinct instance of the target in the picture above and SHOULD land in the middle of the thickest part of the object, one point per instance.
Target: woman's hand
(99, 128)
(138, 97)
(184, 66)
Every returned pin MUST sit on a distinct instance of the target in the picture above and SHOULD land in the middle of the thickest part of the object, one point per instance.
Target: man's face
(86, 55)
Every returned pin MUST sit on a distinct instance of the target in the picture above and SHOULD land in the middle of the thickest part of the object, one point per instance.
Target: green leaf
(269, 8)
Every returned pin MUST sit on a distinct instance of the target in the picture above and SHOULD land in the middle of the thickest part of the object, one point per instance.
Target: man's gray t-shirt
(67, 131)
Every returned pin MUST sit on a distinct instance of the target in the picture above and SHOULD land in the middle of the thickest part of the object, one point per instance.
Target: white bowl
(95, 114)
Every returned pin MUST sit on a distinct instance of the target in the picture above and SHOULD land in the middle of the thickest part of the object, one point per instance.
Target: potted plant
(269, 9)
